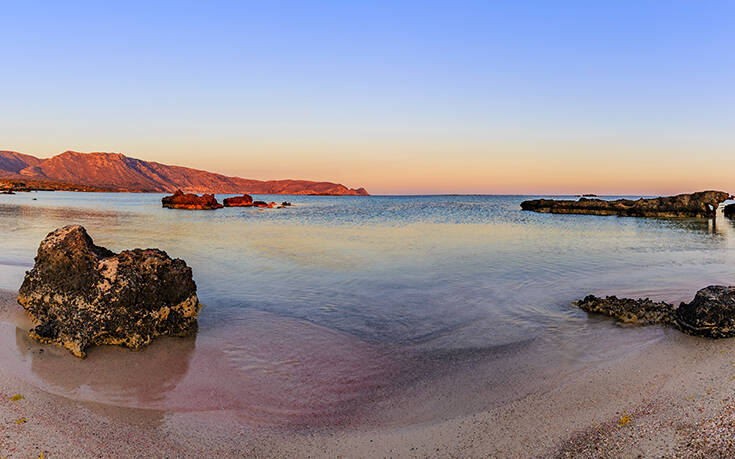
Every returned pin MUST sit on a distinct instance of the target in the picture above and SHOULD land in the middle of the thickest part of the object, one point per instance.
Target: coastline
(669, 389)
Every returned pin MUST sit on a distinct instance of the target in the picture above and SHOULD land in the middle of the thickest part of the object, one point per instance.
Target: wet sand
(674, 397)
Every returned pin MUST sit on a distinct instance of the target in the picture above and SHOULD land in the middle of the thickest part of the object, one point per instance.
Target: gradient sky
(398, 97)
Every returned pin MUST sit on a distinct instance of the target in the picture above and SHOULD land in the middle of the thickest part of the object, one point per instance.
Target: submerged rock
(700, 204)
(179, 200)
(711, 313)
(80, 294)
(239, 201)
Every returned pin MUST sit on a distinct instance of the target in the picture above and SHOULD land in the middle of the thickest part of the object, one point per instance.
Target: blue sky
(399, 97)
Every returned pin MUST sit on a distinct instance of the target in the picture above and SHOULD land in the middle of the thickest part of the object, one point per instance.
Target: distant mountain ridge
(117, 172)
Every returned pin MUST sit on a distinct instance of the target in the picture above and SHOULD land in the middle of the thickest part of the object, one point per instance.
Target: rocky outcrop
(79, 294)
(239, 201)
(711, 313)
(729, 210)
(700, 204)
(629, 311)
(179, 200)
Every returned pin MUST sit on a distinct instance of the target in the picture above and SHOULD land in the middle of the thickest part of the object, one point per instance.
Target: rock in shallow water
(711, 313)
(700, 204)
(629, 311)
(179, 200)
(81, 294)
(239, 201)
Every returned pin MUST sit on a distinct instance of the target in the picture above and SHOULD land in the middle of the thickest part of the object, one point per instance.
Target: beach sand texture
(673, 398)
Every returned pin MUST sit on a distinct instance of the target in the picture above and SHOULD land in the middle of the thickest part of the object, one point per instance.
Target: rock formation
(628, 311)
(239, 201)
(700, 204)
(729, 210)
(179, 200)
(79, 294)
(711, 313)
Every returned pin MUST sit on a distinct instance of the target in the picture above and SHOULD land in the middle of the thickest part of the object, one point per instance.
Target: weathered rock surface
(629, 311)
(80, 294)
(700, 204)
(729, 210)
(179, 200)
(239, 201)
(711, 313)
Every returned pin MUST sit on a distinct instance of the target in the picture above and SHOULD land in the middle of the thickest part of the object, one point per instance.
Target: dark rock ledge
(700, 204)
(711, 313)
(79, 294)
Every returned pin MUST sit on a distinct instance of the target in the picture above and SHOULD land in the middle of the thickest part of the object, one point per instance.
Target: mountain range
(117, 172)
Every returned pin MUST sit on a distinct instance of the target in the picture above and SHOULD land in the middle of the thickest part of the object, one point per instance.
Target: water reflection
(316, 309)
(109, 374)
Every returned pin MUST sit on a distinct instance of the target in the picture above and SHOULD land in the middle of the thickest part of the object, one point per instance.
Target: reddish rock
(117, 172)
(179, 200)
(260, 204)
(239, 201)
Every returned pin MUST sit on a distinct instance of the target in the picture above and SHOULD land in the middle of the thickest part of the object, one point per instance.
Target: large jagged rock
(179, 200)
(80, 294)
(700, 204)
(729, 210)
(711, 313)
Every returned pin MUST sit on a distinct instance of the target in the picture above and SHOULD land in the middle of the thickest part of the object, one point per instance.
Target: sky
(401, 97)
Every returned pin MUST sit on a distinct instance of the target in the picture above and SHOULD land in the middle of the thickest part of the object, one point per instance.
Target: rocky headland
(701, 204)
(711, 313)
(117, 172)
(79, 294)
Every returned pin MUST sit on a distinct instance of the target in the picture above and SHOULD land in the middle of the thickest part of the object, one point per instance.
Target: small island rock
(179, 200)
(79, 294)
(239, 201)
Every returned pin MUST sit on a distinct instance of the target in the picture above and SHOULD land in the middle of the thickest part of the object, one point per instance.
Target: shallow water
(324, 313)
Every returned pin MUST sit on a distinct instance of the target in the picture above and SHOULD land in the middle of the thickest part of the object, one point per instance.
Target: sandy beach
(671, 399)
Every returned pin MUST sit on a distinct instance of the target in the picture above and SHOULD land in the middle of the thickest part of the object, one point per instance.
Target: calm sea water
(341, 309)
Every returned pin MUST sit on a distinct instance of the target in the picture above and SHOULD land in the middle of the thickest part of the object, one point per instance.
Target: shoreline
(668, 389)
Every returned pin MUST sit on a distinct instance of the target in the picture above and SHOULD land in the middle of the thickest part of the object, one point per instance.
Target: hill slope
(115, 171)
(12, 162)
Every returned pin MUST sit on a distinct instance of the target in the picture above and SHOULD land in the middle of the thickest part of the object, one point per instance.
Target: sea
(352, 311)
